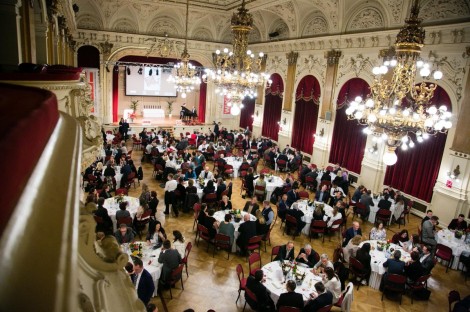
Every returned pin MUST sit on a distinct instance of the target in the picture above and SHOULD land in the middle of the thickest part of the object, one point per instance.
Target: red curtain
(348, 143)
(306, 114)
(201, 113)
(416, 170)
(272, 107)
(246, 119)
(115, 95)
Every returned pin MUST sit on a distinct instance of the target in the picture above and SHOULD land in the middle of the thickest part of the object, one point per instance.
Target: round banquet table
(374, 209)
(271, 184)
(150, 260)
(235, 162)
(220, 216)
(113, 207)
(458, 246)
(377, 260)
(308, 213)
(276, 285)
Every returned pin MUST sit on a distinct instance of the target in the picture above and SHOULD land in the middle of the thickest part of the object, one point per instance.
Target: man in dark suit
(384, 203)
(308, 256)
(323, 195)
(251, 206)
(263, 303)
(143, 281)
(220, 188)
(458, 224)
(297, 214)
(170, 258)
(282, 207)
(107, 225)
(290, 298)
(317, 302)
(286, 252)
(292, 196)
(351, 232)
(366, 199)
(426, 259)
(246, 230)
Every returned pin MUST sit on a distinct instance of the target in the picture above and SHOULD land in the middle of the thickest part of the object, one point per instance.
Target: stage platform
(175, 123)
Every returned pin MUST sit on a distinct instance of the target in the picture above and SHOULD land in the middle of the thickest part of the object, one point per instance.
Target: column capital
(292, 58)
(333, 56)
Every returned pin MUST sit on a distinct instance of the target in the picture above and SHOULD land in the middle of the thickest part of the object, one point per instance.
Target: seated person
(286, 252)
(414, 269)
(290, 298)
(210, 223)
(426, 259)
(363, 256)
(319, 300)
(170, 259)
(262, 183)
(321, 265)
(458, 224)
(156, 235)
(323, 195)
(401, 238)
(395, 265)
(378, 232)
(124, 234)
(351, 248)
(246, 231)
(209, 188)
(191, 189)
(263, 303)
(261, 226)
(251, 206)
(384, 203)
(297, 214)
(282, 207)
(227, 228)
(307, 256)
(190, 174)
(225, 203)
(206, 174)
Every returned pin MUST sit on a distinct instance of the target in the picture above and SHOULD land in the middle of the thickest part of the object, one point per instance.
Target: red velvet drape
(348, 143)
(201, 114)
(273, 107)
(246, 116)
(271, 116)
(306, 114)
(416, 170)
(115, 95)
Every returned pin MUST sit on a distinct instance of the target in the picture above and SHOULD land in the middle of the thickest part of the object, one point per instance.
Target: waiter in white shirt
(170, 187)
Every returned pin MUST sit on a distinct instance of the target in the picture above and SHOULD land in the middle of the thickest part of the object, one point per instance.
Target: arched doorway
(273, 107)
(307, 98)
(88, 56)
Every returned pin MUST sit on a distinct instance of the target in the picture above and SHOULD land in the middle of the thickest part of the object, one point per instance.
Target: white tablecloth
(458, 246)
(271, 184)
(113, 207)
(109, 137)
(276, 285)
(150, 260)
(155, 113)
(118, 175)
(375, 208)
(377, 260)
(235, 164)
(220, 216)
(308, 213)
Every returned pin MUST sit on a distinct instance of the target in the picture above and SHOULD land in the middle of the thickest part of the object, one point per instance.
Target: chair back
(203, 231)
(453, 296)
(443, 252)
(337, 222)
(125, 220)
(290, 219)
(338, 254)
(253, 258)
(176, 274)
(265, 170)
(275, 252)
(356, 265)
(318, 224)
(222, 241)
(303, 195)
(255, 240)
(396, 279)
(98, 220)
(187, 250)
(121, 191)
(326, 308)
(251, 295)
(421, 282)
(288, 309)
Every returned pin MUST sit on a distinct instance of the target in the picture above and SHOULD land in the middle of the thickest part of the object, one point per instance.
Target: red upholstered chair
(254, 263)
(275, 252)
(176, 275)
(359, 209)
(281, 164)
(203, 233)
(197, 211)
(338, 229)
(304, 195)
(252, 296)
(325, 182)
(329, 168)
(130, 179)
(126, 220)
(266, 238)
(383, 215)
(310, 183)
(187, 250)
(222, 241)
(357, 270)
(265, 171)
(121, 191)
(241, 280)
(421, 283)
(260, 192)
(343, 294)
(319, 227)
(444, 253)
(255, 243)
(291, 224)
(394, 283)
(228, 170)
(210, 199)
(326, 308)
(453, 296)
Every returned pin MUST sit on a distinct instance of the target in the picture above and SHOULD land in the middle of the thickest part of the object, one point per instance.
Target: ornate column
(321, 147)
(28, 38)
(106, 82)
(11, 33)
(450, 196)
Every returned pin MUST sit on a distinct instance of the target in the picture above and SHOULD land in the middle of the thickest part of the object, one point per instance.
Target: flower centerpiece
(136, 249)
(201, 182)
(269, 177)
(119, 198)
(237, 215)
(286, 267)
(310, 202)
(298, 276)
(382, 245)
(458, 234)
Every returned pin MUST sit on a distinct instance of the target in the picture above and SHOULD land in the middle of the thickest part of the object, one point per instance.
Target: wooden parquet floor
(213, 283)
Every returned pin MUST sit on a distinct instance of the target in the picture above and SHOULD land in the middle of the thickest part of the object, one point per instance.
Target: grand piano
(187, 114)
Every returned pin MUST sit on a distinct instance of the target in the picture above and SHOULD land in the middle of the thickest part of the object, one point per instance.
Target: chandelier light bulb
(443, 108)
(392, 111)
(393, 63)
(231, 53)
(390, 158)
(437, 75)
(248, 52)
(419, 139)
(383, 112)
(424, 72)
(370, 103)
(432, 110)
(349, 111)
(411, 144)
(261, 54)
(415, 116)
(425, 136)
(372, 118)
(183, 95)
(404, 139)
(358, 115)
(419, 64)
(428, 123)
(376, 70)
(384, 136)
(448, 125)
(387, 63)
(406, 112)
(358, 99)
(217, 52)
(235, 110)
(225, 50)
(404, 147)
(383, 69)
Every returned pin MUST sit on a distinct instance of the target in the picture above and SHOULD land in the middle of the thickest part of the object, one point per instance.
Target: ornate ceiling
(209, 20)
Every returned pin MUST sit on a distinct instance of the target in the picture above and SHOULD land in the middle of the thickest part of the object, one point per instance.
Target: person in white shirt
(335, 188)
(149, 147)
(178, 243)
(170, 187)
(332, 283)
(123, 148)
(206, 174)
(203, 146)
(170, 163)
(336, 216)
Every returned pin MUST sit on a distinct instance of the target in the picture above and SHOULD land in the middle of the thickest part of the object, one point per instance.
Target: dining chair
(394, 283)
(187, 250)
(222, 241)
(453, 296)
(241, 280)
(252, 260)
(176, 275)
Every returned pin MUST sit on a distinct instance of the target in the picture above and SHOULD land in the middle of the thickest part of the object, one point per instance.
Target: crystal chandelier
(397, 105)
(238, 73)
(185, 75)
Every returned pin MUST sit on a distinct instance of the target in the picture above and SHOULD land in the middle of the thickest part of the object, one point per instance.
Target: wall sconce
(284, 121)
(320, 134)
(374, 149)
(255, 115)
(455, 173)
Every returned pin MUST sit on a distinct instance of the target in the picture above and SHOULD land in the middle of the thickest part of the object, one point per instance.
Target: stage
(174, 123)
